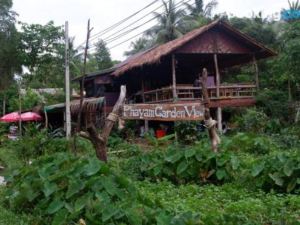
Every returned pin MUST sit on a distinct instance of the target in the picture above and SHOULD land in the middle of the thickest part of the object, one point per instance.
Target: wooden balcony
(235, 93)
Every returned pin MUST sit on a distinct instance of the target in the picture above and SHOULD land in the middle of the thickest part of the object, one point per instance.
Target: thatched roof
(155, 54)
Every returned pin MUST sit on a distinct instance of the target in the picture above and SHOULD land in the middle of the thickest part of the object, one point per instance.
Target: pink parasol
(11, 117)
(30, 116)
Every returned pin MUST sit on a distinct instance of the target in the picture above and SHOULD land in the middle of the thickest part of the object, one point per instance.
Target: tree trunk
(99, 141)
(209, 122)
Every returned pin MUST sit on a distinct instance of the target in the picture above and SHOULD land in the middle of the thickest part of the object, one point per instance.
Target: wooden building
(167, 73)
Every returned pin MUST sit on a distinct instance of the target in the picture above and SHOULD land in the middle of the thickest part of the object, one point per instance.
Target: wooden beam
(143, 98)
(219, 110)
(217, 74)
(256, 72)
(174, 77)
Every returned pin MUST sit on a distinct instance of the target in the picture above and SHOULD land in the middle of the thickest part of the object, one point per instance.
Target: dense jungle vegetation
(254, 179)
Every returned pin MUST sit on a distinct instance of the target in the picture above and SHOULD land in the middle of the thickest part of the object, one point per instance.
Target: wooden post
(143, 98)
(67, 82)
(219, 109)
(217, 74)
(46, 119)
(89, 30)
(209, 122)
(174, 77)
(256, 72)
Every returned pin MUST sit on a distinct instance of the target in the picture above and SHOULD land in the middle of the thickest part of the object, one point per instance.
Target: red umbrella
(11, 117)
(30, 116)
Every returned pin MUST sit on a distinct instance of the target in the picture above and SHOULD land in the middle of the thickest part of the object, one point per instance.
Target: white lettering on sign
(164, 112)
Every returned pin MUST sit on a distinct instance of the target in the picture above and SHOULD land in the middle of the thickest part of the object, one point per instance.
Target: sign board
(164, 112)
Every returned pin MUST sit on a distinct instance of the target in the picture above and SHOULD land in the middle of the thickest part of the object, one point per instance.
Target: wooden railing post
(174, 77)
(256, 72)
(219, 109)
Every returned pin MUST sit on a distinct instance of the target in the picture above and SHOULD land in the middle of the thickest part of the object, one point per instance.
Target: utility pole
(67, 80)
(89, 30)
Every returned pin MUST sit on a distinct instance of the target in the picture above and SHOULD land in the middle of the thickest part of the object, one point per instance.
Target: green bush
(188, 132)
(279, 171)
(253, 120)
(61, 189)
(36, 142)
(196, 164)
(250, 143)
(226, 204)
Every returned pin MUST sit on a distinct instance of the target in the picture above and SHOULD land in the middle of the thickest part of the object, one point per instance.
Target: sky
(104, 13)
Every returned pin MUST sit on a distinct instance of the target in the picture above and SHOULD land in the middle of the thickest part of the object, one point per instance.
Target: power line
(120, 22)
(111, 38)
(129, 31)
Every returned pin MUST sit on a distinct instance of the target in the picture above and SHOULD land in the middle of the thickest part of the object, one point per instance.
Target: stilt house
(167, 73)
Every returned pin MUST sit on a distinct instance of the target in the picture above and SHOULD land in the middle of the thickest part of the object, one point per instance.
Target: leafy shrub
(249, 142)
(288, 137)
(188, 132)
(36, 142)
(279, 171)
(189, 164)
(226, 204)
(253, 120)
(62, 189)
(274, 103)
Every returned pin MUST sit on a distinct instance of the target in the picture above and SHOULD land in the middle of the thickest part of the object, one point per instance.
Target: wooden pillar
(219, 109)
(256, 72)
(174, 77)
(143, 98)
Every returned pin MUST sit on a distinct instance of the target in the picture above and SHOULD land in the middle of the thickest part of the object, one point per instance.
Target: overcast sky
(104, 13)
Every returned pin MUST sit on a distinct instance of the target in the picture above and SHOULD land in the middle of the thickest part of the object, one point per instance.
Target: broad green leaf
(221, 161)
(288, 168)
(181, 167)
(134, 216)
(174, 157)
(189, 153)
(109, 186)
(221, 174)
(49, 188)
(92, 167)
(74, 187)
(81, 202)
(257, 169)
(199, 157)
(291, 186)
(54, 206)
(109, 212)
(157, 170)
(163, 219)
(276, 178)
(234, 162)
(60, 217)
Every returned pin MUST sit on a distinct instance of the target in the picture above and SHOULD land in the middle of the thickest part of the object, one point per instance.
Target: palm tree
(200, 10)
(170, 23)
(294, 5)
(199, 14)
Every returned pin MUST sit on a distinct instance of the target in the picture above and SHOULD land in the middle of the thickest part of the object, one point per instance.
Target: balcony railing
(189, 93)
